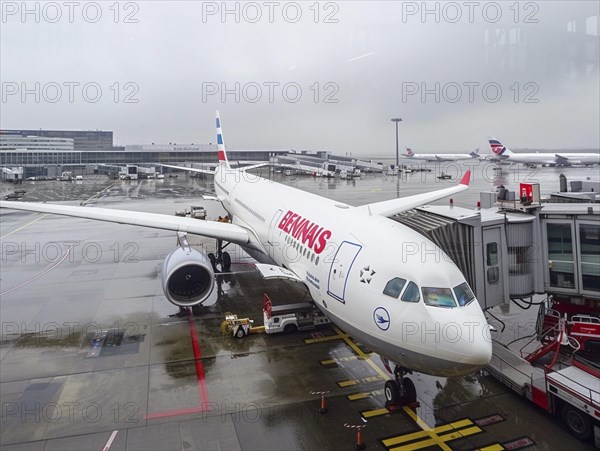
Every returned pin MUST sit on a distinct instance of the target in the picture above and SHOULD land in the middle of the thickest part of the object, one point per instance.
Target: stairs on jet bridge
(515, 371)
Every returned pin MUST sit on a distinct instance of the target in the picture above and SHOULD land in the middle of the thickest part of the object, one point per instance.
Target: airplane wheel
(410, 392)
(577, 422)
(196, 310)
(226, 261)
(213, 261)
(240, 333)
(392, 392)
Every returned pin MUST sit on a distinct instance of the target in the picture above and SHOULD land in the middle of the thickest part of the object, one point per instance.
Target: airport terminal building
(41, 154)
(83, 140)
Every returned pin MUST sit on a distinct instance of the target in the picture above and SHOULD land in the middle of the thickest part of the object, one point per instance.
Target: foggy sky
(357, 66)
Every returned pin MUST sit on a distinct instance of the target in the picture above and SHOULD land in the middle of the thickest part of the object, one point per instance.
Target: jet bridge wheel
(577, 422)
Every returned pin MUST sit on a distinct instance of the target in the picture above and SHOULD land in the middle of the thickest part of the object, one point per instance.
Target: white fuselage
(551, 158)
(346, 258)
(439, 157)
(578, 158)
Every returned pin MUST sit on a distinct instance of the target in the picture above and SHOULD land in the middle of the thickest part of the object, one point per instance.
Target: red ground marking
(203, 395)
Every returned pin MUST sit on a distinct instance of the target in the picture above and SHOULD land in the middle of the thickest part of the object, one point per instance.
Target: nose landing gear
(401, 390)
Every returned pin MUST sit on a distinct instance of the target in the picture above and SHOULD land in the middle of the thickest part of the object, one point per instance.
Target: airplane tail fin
(410, 152)
(475, 153)
(498, 148)
(221, 146)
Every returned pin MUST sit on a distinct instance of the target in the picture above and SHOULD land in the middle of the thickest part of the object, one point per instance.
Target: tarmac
(93, 357)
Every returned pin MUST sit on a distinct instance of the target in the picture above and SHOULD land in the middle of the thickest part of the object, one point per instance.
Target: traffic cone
(323, 409)
(359, 442)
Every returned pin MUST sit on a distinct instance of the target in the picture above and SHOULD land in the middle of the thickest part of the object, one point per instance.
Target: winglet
(222, 155)
(466, 178)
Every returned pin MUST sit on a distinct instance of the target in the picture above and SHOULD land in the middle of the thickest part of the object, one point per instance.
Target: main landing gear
(223, 259)
(401, 390)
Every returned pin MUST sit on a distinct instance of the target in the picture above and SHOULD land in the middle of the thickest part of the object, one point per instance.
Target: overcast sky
(307, 75)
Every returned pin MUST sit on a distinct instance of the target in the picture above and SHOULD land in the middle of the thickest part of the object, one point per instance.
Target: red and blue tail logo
(497, 146)
(410, 152)
(222, 155)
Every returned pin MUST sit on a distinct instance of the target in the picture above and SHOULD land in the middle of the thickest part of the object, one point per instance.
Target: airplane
(366, 272)
(430, 157)
(564, 159)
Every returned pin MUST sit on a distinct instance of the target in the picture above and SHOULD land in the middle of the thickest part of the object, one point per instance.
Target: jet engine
(187, 277)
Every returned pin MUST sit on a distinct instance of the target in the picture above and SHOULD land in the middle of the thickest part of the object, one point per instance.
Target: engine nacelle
(187, 277)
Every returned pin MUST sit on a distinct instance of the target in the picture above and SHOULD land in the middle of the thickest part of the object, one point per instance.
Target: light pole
(396, 120)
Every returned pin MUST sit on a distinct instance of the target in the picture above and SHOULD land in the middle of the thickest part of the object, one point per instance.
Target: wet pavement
(92, 354)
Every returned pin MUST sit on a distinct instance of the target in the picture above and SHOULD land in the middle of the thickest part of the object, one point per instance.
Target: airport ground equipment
(289, 318)
(196, 212)
(239, 327)
(570, 390)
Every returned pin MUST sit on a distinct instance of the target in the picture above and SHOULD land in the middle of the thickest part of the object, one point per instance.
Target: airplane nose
(470, 349)
(481, 351)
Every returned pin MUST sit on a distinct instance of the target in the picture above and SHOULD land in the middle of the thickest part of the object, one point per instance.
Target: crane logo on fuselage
(309, 233)
(382, 318)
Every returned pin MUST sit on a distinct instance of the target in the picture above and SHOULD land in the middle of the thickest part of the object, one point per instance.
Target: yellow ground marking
(434, 437)
(357, 396)
(364, 380)
(23, 226)
(432, 441)
(375, 413)
(494, 447)
(364, 395)
(341, 359)
(321, 339)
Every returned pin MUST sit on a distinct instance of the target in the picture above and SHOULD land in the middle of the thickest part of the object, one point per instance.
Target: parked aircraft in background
(353, 260)
(564, 159)
(430, 157)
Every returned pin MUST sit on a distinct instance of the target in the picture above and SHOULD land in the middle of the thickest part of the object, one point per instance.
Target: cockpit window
(463, 293)
(394, 287)
(438, 297)
(411, 294)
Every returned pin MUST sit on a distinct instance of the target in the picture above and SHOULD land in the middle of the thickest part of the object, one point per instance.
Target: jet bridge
(514, 250)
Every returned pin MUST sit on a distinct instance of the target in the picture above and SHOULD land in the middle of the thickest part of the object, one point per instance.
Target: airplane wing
(185, 168)
(206, 171)
(560, 159)
(211, 229)
(395, 206)
(255, 166)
